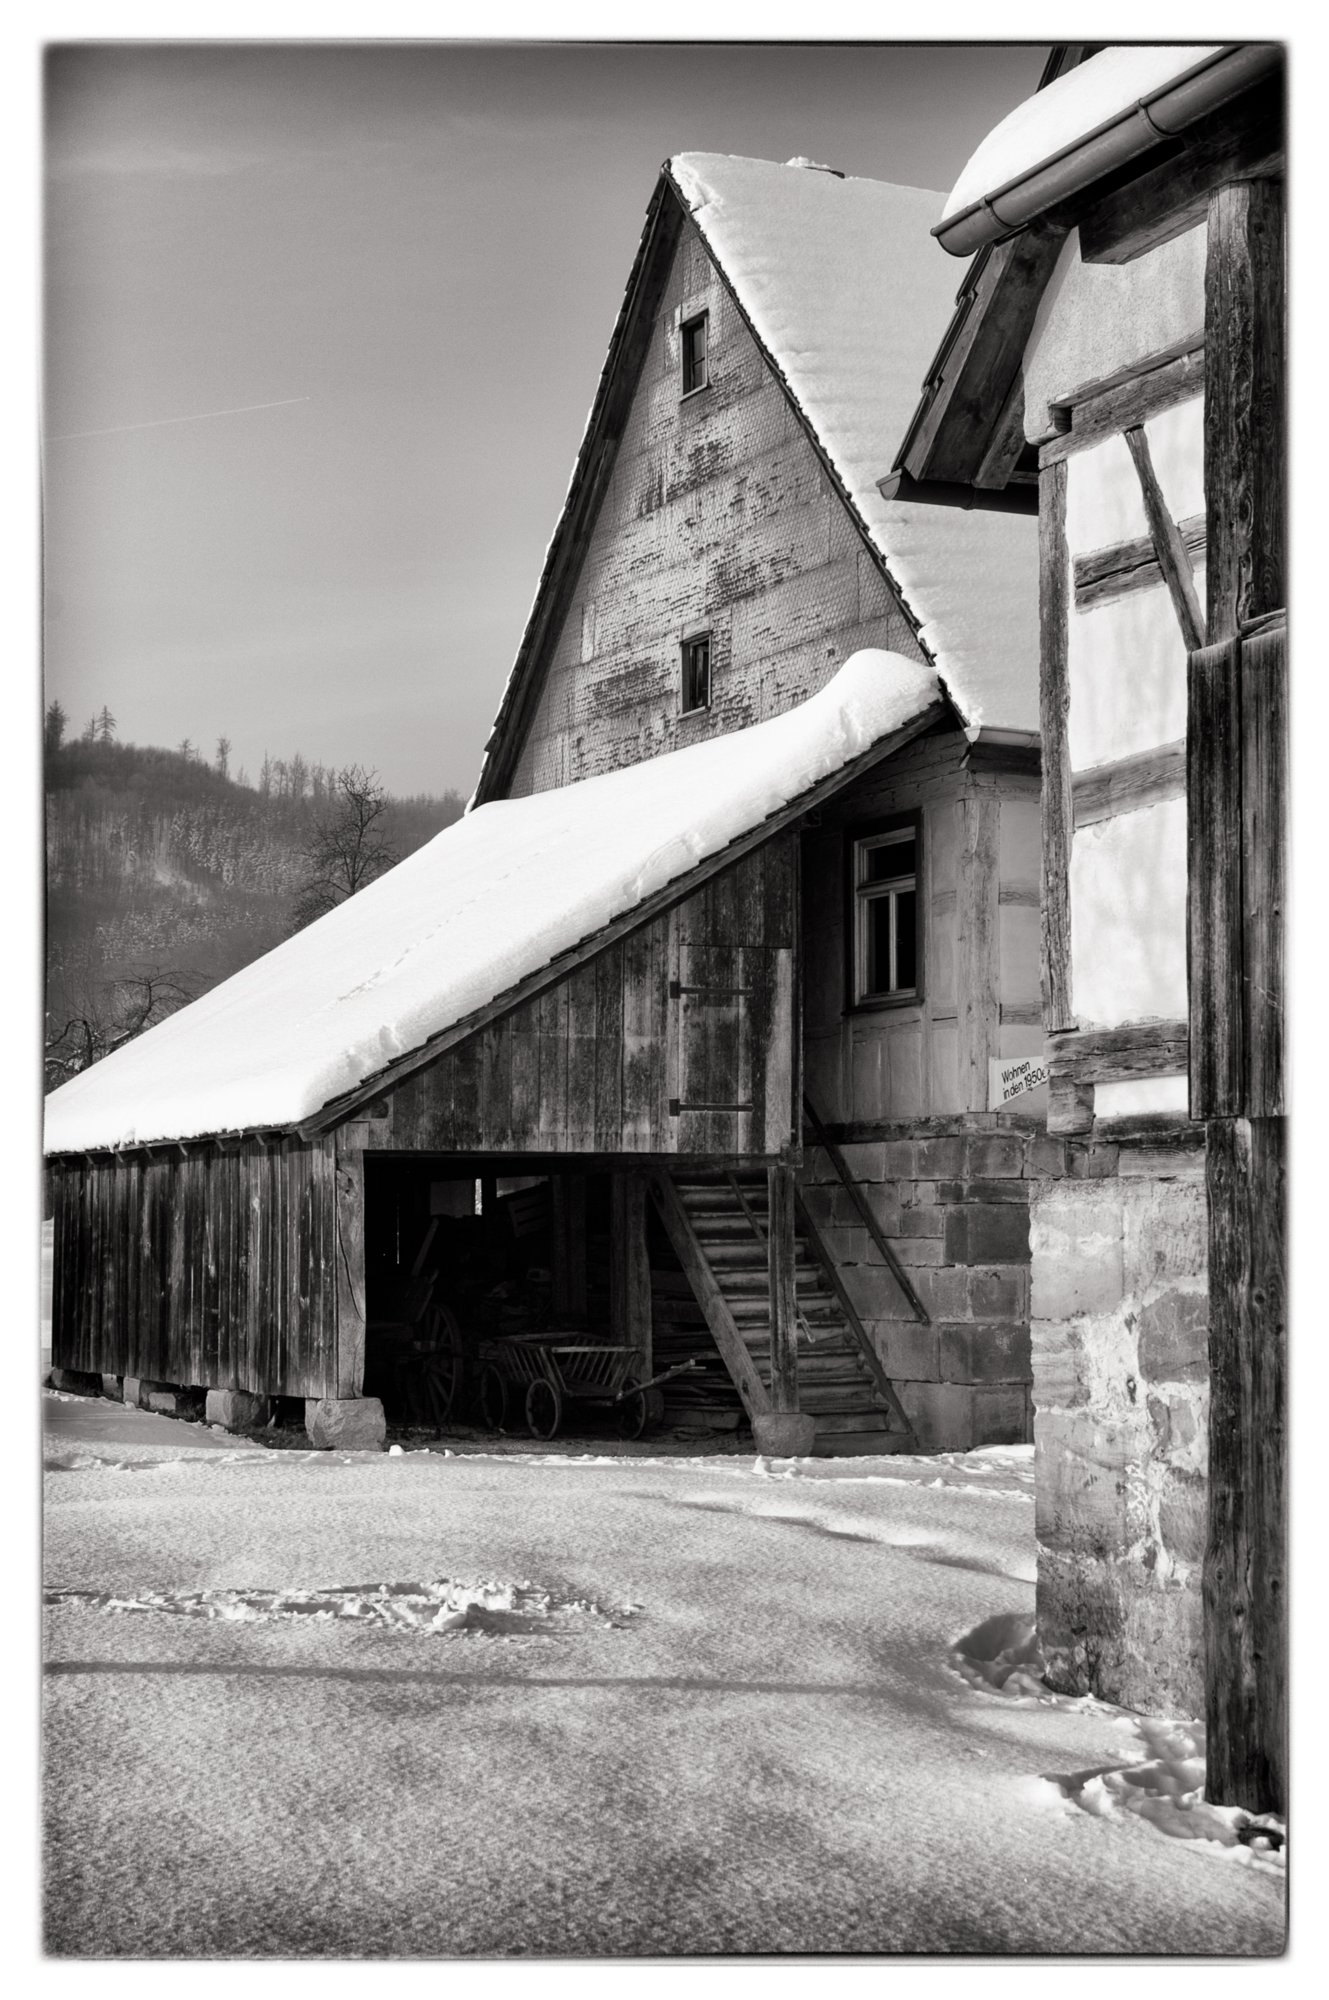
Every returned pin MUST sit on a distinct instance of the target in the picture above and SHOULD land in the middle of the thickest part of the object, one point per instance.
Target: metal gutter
(1162, 114)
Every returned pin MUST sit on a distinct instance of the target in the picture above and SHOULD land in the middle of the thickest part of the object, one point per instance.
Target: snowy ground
(359, 1705)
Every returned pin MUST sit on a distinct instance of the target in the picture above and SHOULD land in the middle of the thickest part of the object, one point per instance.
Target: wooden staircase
(717, 1224)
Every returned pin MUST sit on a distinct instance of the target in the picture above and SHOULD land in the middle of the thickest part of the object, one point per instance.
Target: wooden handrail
(869, 1220)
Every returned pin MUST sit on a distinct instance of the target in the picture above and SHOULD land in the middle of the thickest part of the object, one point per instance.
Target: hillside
(162, 869)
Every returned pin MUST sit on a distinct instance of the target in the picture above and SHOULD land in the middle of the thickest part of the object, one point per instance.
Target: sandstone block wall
(954, 1206)
(1119, 1330)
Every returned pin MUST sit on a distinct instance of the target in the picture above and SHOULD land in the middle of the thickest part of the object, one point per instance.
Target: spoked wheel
(493, 1398)
(442, 1368)
(639, 1410)
(544, 1408)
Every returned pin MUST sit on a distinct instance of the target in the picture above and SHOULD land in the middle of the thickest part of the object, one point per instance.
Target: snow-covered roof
(1067, 111)
(848, 293)
(491, 901)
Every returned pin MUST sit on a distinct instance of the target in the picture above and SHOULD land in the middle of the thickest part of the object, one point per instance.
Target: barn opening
(480, 1284)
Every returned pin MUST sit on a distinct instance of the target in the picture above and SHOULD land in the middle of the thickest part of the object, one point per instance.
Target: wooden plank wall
(718, 517)
(978, 893)
(211, 1269)
(611, 1060)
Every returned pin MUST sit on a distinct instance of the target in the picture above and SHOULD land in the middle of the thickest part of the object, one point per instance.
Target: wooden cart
(540, 1374)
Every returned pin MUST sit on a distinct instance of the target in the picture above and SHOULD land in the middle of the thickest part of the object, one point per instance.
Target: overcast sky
(415, 255)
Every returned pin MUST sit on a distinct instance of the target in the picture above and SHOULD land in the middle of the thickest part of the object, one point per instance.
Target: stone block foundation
(1119, 1330)
(346, 1424)
(236, 1409)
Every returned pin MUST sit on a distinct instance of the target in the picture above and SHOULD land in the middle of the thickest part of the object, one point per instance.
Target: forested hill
(162, 867)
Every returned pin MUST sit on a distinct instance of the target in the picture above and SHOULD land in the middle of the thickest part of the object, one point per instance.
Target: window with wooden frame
(885, 957)
(695, 692)
(694, 349)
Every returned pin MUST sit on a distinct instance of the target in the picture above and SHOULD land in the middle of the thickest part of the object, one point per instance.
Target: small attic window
(694, 353)
(696, 688)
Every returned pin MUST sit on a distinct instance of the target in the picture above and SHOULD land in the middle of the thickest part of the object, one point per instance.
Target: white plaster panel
(1128, 918)
(1104, 504)
(941, 841)
(1176, 446)
(1094, 320)
(944, 1067)
(904, 1045)
(1141, 1097)
(1127, 665)
(1019, 850)
(1017, 936)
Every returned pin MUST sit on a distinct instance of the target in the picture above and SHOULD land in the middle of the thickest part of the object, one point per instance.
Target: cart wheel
(493, 1398)
(444, 1370)
(638, 1412)
(544, 1408)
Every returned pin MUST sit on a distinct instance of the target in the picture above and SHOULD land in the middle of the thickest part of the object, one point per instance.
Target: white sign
(1011, 1078)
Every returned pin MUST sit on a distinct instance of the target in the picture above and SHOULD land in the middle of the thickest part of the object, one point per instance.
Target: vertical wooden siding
(717, 516)
(214, 1269)
(678, 1039)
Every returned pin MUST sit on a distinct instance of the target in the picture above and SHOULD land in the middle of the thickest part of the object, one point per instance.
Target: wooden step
(837, 1385)
(861, 1444)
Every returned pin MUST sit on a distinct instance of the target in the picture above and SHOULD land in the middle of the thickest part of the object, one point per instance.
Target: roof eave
(1161, 114)
(939, 712)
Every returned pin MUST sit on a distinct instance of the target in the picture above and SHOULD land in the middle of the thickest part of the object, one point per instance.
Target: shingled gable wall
(719, 517)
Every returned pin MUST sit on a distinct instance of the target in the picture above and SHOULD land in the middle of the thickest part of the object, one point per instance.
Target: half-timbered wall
(203, 1267)
(1118, 1303)
(1126, 744)
(719, 517)
(680, 1039)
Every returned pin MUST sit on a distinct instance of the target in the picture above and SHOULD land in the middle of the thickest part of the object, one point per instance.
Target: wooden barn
(1120, 338)
(712, 1032)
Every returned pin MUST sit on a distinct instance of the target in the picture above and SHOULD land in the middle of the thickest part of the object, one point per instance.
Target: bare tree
(187, 750)
(224, 756)
(348, 847)
(110, 1013)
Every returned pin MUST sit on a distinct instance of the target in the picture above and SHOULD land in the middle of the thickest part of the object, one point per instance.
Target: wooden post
(1245, 458)
(1213, 840)
(976, 948)
(350, 1253)
(1238, 775)
(630, 1268)
(1054, 569)
(781, 1248)
(1245, 1562)
(569, 1192)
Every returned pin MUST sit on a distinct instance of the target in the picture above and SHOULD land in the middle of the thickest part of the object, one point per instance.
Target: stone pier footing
(168, 1399)
(76, 1382)
(352, 1423)
(236, 1409)
(784, 1434)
